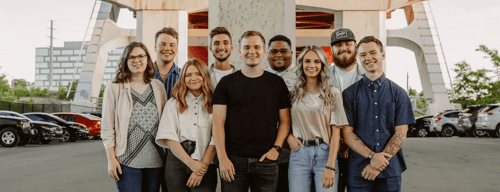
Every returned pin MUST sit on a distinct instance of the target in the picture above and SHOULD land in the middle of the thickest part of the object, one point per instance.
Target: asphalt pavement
(434, 164)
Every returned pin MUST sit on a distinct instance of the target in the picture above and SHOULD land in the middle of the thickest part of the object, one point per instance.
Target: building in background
(64, 65)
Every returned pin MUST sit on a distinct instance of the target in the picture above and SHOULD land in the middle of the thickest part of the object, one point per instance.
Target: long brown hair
(180, 90)
(123, 74)
(325, 88)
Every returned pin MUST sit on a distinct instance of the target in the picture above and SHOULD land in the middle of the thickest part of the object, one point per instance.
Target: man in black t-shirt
(247, 106)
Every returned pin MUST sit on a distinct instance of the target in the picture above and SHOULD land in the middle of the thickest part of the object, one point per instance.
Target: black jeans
(178, 173)
(250, 173)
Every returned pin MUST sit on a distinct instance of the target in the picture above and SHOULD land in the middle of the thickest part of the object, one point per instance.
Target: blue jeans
(307, 165)
(250, 173)
(359, 184)
(144, 180)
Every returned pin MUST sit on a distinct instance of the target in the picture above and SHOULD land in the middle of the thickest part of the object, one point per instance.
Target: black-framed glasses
(140, 57)
(282, 51)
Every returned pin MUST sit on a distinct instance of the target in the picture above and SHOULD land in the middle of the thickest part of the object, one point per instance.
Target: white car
(445, 123)
(489, 120)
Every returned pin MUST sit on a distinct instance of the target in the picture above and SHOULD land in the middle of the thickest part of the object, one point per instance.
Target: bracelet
(331, 168)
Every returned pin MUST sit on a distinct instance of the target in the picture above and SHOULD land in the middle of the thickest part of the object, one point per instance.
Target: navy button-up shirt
(170, 80)
(374, 109)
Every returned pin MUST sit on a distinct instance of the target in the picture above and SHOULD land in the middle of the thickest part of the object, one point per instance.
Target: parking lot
(434, 164)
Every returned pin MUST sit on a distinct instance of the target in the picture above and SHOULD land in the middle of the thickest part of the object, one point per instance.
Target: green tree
(412, 92)
(6, 93)
(494, 58)
(470, 86)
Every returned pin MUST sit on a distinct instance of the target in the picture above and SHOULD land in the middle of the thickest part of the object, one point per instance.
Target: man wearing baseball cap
(343, 74)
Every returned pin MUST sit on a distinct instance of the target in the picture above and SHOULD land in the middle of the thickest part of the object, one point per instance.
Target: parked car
(71, 130)
(489, 120)
(467, 120)
(445, 123)
(92, 123)
(14, 131)
(421, 127)
(44, 132)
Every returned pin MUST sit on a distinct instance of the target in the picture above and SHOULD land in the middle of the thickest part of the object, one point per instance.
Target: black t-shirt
(252, 114)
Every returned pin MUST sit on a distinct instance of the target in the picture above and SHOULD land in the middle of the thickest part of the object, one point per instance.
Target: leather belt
(312, 142)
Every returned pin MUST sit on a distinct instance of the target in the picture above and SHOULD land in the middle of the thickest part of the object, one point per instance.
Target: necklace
(162, 74)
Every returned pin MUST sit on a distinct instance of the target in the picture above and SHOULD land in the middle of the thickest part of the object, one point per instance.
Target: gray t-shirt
(345, 79)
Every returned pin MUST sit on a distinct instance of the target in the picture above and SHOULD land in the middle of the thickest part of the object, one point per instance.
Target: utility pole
(408, 83)
(51, 53)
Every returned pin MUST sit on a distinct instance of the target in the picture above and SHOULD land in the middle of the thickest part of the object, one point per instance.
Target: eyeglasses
(282, 51)
(140, 57)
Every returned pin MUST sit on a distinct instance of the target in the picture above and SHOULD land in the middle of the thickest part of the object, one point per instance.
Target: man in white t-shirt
(221, 46)
(344, 72)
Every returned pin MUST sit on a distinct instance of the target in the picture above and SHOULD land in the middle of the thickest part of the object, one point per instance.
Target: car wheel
(497, 131)
(24, 141)
(66, 136)
(422, 132)
(448, 131)
(37, 137)
(72, 138)
(478, 132)
(9, 137)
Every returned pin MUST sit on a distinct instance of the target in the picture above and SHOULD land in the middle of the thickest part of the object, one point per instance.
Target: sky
(462, 26)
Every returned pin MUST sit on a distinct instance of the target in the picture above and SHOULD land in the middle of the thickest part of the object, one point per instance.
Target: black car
(421, 127)
(44, 132)
(14, 131)
(71, 130)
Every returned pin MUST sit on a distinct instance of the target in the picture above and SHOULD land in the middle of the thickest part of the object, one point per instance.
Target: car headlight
(45, 127)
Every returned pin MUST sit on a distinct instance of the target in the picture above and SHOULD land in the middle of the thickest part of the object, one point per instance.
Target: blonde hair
(325, 88)
(179, 92)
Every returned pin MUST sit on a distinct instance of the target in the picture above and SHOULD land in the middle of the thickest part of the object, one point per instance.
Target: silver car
(445, 123)
(489, 120)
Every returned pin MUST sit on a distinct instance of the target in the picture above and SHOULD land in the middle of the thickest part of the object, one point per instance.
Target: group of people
(297, 126)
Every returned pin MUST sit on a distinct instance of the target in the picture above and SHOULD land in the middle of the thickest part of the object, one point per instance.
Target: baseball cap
(343, 34)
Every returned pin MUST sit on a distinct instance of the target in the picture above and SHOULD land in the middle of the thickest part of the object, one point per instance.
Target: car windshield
(55, 117)
(92, 117)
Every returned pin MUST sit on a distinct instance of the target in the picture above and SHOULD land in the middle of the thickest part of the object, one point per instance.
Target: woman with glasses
(186, 128)
(317, 115)
(132, 108)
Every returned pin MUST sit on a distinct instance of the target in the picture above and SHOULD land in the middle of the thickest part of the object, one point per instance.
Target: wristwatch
(278, 148)
(370, 155)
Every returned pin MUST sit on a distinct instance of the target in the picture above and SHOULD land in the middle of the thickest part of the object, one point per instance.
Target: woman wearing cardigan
(132, 109)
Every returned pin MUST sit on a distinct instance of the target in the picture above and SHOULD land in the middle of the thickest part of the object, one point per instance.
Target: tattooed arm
(396, 141)
(354, 142)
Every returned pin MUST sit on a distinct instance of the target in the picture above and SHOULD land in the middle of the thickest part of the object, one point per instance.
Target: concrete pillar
(417, 37)
(363, 23)
(268, 17)
(106, 36)
(150, 21)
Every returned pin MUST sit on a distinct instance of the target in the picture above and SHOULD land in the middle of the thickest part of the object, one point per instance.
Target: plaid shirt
(170, 80)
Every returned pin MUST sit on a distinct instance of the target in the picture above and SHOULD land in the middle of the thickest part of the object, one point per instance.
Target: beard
(221, 59)
(344, 63)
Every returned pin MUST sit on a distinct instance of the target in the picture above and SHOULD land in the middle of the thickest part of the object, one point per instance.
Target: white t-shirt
(345, 79)
(219, 73)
